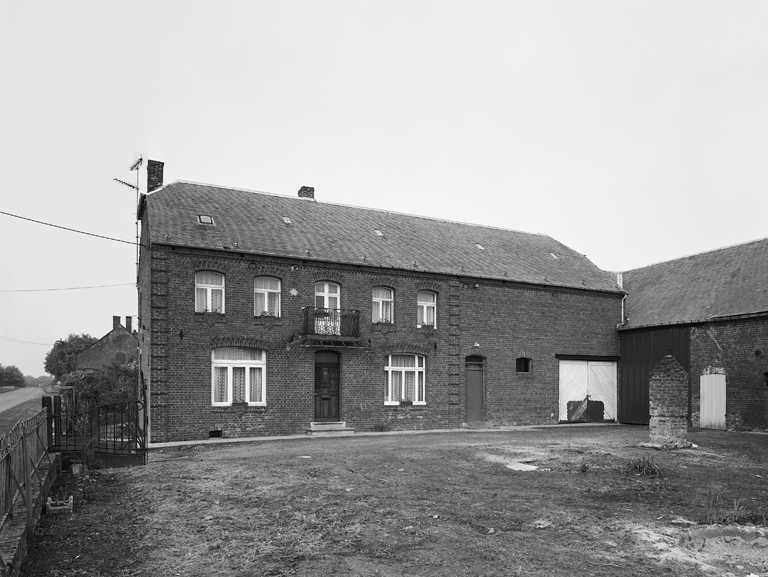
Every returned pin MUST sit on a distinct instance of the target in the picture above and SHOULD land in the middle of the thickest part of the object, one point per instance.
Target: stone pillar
(668, 395)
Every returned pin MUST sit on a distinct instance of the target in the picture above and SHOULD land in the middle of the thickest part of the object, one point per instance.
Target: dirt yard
(423, 504)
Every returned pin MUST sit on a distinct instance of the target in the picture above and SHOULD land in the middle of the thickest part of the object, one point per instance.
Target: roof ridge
(697, 254)
(367, 208)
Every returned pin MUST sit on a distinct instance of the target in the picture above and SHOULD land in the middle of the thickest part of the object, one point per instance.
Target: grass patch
(642, 466)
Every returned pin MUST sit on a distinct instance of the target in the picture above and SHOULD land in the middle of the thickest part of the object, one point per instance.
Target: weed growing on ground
(713, 506)
(584, 467)
(642, 466)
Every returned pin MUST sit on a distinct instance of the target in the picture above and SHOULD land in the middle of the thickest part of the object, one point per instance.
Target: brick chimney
(128, 323)
(154, 174)
(116, 322)
(307, 192)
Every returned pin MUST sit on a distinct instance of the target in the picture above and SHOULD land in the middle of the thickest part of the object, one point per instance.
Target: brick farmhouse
(262, 314)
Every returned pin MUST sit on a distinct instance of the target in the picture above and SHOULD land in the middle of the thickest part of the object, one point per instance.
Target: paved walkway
(219, 441)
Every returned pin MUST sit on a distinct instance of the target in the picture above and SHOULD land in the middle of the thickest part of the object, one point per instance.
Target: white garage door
(587, 391)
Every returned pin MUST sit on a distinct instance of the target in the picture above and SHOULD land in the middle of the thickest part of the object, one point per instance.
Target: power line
(65, 228)
(25, 342)
(65, 289)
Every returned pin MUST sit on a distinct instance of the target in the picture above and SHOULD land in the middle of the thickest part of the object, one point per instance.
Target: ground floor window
(405, 379)
(238, 375)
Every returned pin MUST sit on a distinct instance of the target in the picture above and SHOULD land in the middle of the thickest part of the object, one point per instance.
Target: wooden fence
(24, 469)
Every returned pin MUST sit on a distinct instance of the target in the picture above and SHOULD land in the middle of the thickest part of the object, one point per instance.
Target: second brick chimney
(307, 192)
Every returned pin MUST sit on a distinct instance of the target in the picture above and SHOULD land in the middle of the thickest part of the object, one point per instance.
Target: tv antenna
(135, 166)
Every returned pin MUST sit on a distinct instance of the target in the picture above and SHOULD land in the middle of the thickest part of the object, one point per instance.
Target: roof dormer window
(205, 219)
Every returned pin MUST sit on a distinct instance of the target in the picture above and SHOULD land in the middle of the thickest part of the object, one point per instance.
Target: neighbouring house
(118, 346)
(262, 314)
(710, 312)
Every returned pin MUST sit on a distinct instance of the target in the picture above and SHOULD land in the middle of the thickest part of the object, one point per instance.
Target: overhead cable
(65, 228)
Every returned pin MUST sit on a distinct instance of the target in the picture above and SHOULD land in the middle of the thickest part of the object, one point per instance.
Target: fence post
(57, 421)
(27, 483)
(48, 406)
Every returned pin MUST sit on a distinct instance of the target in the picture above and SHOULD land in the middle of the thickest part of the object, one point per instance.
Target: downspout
(620, 283)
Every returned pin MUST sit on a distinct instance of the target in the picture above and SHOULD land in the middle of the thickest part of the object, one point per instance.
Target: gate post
(48, 405)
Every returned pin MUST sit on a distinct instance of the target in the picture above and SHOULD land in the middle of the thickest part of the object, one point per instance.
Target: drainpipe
(620, 283)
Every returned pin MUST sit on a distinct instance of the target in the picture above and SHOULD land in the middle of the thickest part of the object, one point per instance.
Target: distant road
(15, 398)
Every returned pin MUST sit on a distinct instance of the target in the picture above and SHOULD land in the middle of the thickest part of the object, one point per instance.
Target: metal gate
(112, 433)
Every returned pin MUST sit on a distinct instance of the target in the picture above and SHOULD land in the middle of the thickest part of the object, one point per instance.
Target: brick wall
(740, 349)
(505, 320)
(668, 398)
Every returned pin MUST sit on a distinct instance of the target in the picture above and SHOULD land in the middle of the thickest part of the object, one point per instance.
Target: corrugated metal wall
(641, 351)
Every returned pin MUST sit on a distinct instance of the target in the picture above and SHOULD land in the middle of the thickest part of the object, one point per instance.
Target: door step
(329, 429)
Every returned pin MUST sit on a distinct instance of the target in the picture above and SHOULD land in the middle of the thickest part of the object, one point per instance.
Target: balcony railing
(338, 322)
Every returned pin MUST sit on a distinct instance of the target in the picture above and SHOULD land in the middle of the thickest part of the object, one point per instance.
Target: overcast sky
(633, 132)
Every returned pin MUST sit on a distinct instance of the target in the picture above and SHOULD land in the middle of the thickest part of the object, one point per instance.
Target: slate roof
(727, 282)
(253, 222)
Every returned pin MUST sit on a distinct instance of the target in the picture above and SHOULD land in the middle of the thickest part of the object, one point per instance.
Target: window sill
(208, 313)
(399, 404)
(238, 407)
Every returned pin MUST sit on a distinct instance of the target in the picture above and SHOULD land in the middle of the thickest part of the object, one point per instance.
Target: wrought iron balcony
(331, 322)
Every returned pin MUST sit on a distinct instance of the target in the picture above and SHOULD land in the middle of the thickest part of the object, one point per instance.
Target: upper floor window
(383, 305)
(405, 379)
(266, 296)
(327, 295)
(209, 292)
(427, 309)
(238, 375)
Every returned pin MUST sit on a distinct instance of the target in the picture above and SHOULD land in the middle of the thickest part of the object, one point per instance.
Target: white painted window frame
(266, 293)
(209, 288)
(246, 364)
(378, 306)
(419, 370)
(424, 307)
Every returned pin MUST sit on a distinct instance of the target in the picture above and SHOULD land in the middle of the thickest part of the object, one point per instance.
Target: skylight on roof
(553, 255)
(480, 246)
(378, 232)
(287, 220)
(205, 219)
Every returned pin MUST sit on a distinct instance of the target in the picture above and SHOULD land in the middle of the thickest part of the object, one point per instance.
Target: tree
(116, 383)
(11, 376)
(62, 358)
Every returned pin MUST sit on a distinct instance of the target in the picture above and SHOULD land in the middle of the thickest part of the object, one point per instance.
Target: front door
(473, 390)
(326, 386)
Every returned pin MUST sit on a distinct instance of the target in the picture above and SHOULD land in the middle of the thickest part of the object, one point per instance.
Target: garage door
(587, 391)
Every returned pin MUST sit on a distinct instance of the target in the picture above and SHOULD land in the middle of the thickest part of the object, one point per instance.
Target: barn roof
(728, 282)
(268, 224)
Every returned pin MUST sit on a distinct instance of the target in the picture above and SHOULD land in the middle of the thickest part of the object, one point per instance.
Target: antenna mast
(135, 166)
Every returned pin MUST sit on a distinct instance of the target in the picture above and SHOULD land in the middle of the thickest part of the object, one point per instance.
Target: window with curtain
(427, 309)
(405, 379)
(266, 296)
(209, 292)
(383, 305)
(238, 375)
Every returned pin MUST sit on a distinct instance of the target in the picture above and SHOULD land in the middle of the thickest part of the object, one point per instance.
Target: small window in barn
(238, 375)
(523, 365)
(209, 292)
(205, 219)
